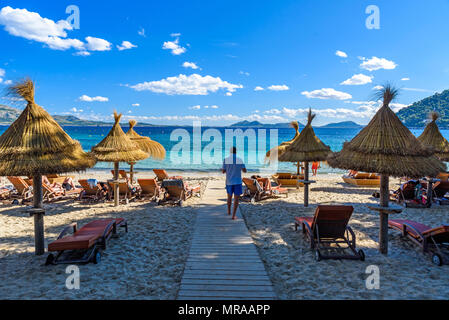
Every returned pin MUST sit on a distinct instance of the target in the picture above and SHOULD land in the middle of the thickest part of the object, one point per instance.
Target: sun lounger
(288, 179)
(362, 179)
(126, 194)
(177, 191)
(440, 191)
(431, 240)
(162, 175)
(56, 178)
(260, 189)
(327, 230)
(122, 174)
(89, 192)
(52, 194)
(149, 189)
(24, 190)
(84, 245)
(443, 176)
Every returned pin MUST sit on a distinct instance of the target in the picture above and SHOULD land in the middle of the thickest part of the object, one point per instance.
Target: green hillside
(417, 114)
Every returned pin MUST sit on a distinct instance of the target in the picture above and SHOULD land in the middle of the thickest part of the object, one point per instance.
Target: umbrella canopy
(387, 147)
(307, 147)
(36, 144)
(433, 138)
(117, 146)
(281, 148)
(153, 148)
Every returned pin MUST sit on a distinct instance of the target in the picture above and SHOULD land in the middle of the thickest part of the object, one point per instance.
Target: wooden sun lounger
(90, 194)
(84, 245)
(288, 179)
(256, 192)
(363, 179)
(330, 227)
(440, 190)
(24, 190)
(162, 175)
(176, 191)
(125, 193)
(431, 240)
(122, 174)
(56, 178)
(150, 189)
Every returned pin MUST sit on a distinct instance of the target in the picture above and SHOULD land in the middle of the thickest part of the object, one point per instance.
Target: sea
(203, 148)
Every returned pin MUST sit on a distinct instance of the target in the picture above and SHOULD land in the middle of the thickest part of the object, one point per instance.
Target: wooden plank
(225, 282)
(230, 294)
(227, 287)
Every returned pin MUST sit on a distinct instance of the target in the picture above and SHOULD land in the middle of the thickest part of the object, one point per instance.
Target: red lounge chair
(177, 191)
(162, 175)
(431, 240)
(84, 245)
(150, 189)
(330, 226)
(260, 189)
(440, 190)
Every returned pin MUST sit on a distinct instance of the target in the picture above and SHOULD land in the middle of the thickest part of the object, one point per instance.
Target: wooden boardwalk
(223, 261)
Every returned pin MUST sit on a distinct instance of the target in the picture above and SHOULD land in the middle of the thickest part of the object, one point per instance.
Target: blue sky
(139, 58)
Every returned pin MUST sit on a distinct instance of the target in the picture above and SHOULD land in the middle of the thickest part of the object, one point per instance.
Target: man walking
(233, 167)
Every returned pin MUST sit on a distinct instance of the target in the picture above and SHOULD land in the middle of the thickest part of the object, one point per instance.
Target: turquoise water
(206, 158)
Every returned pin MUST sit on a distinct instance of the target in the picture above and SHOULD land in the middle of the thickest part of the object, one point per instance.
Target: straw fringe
(307, 147)
(281, 148)
(153, 148)
(117, 146)
(36, 144)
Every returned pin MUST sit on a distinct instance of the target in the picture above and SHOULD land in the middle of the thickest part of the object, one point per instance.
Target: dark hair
(234, 150)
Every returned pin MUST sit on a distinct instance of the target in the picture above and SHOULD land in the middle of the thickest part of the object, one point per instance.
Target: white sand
(404, 274)
(148, 262)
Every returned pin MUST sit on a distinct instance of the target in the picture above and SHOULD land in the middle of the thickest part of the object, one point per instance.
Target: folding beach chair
(431, 240)
(56, 178)
(162, 175)
(329, 229)
(149, 189)
(24, 190)
(83, 245)
(126, 194)
(52, 194)
(176, 191)
(90, 193)
(440, 191)
(122, 174)
(260, 189)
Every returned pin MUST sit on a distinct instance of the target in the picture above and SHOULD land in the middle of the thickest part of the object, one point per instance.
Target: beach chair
(122, 174)
(52, 194)
(288, 179)
(126, 194)
(260, 189)
(83, 245)
(162, 175)
(149, 189)
(90, 193)
(328, 230)
(432, 240)
(405, 193)
(440, 191)
(443, 176)
(176, 191)
(56, 178)
(24, 190)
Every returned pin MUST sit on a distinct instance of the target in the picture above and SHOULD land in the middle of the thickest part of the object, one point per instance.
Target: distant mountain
(8, 114)
(343, 125)
(416, 115)
(74, 121)
(257, 124)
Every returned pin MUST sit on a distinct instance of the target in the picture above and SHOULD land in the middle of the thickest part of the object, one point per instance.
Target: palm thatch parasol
(153, 148)
(307, 147)
(433, 138)
(117, 147)
(277, 151)
(35, 144)
(387, 147)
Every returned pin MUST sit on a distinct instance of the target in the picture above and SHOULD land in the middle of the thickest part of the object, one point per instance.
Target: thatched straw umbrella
(153, 148)
(433, 138)
(35, 145)
(306, 148)
(117, 147)
(387, 147)
(271, 154)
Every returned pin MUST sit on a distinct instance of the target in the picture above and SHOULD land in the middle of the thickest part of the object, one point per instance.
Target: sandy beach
(148, 262)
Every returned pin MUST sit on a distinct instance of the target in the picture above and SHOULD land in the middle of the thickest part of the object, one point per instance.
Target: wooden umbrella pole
(306, 184)
(131, 171)
(384, 199)
(116, 186)
(39, 239)
(297, 166)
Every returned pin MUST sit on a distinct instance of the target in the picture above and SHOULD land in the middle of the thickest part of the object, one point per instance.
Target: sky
(219, 62)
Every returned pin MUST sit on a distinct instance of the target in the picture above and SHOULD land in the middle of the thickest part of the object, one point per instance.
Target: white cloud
(192, 65)
(376, 63)
(258, 88)
(211, 107)
(141, 32)
(174, 46)
(198, 107)
(244, 73)
(327, 93)
(341, 54)
(82, 53)
(97, 44)
(418, 90)
(86, 98)
(228, 94)
(8, 82)
(2, 74)
(357, 80)
(378, 88)
(175, 35)
(136, 104)
(405, 79)
(282, 87)
(126, 45)
(194, 84)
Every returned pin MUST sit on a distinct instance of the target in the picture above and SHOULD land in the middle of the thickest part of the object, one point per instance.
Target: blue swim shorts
(235, 189)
